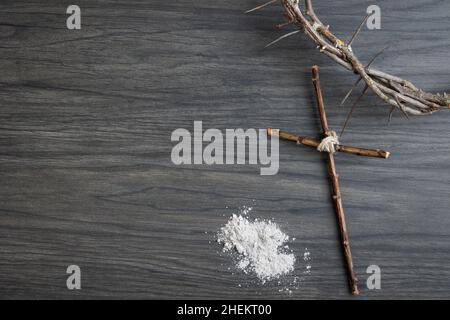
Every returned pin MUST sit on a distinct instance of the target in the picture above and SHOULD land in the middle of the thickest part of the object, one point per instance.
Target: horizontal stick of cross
(311, 142)
(334, 177)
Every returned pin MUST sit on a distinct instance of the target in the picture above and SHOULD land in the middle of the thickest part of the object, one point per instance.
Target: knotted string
(329, 143)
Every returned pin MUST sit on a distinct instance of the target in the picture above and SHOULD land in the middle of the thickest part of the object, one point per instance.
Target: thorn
(377, 55)
(401, 107)
(261, 6)
(282, 37)
(390, 114)
(358, 30)
(357, 82)
(282, 25)
(353, 109)
(350, 91)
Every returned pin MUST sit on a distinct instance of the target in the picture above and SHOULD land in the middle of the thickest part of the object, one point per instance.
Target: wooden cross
(334, 177)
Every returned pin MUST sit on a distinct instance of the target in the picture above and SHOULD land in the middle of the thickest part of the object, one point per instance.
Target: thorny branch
(395, 91)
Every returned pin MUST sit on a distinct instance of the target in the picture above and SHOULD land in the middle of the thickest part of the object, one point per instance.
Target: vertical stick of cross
(332, 145)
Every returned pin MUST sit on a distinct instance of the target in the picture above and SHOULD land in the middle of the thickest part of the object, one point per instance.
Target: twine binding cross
(329, 143)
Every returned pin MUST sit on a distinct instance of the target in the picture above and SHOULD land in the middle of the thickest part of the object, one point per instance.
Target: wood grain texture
(86, 177)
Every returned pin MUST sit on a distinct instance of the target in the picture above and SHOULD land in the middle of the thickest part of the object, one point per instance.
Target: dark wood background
(86, 177)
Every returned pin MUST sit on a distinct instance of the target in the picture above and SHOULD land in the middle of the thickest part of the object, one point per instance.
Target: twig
(387, 87)
(310, 142)
(336, 193)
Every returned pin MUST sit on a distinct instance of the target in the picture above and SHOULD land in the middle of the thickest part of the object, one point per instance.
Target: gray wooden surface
(85, 170)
